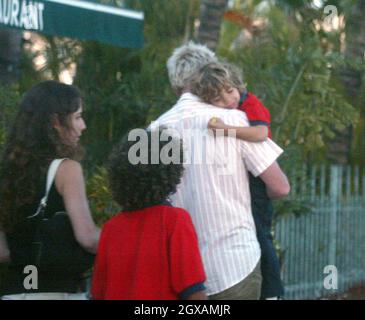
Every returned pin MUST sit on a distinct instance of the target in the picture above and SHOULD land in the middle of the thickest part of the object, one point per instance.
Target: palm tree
(10, 51)
(211, 14)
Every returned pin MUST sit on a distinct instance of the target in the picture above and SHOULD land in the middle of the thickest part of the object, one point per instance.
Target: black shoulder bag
(54, 246)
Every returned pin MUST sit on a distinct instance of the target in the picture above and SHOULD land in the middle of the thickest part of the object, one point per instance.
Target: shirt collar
(189, 96)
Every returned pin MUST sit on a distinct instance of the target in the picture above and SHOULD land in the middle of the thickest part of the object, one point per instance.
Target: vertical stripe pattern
(215, 189)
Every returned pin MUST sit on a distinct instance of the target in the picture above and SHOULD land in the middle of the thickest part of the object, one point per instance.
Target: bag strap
(52, 170)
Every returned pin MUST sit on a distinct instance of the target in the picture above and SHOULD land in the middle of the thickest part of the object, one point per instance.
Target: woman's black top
(21, 242)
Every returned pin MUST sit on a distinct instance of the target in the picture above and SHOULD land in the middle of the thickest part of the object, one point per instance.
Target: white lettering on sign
(23, 14)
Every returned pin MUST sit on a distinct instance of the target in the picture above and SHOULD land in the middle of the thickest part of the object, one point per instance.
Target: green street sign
(75, 19)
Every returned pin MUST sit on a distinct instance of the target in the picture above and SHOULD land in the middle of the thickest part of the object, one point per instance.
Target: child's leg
(262, 211)
(270, 266)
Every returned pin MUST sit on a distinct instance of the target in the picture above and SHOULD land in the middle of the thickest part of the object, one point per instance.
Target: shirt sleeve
(258, 156)
(187, 269)
(99, 277)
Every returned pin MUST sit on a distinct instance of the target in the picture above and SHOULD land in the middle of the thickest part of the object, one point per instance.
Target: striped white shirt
(215, 189)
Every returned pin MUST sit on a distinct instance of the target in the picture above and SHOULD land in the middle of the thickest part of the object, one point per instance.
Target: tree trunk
(339, 150)
(211, 14)
(355, 48)
(10, 51)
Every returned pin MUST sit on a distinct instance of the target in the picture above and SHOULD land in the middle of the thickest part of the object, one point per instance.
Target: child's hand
(216, 123)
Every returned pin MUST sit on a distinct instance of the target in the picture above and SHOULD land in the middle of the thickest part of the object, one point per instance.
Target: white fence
(332, 234)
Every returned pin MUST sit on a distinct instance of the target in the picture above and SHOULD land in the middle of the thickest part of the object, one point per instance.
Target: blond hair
(185, 61)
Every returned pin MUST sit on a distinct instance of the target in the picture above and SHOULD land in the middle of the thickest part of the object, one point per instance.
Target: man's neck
(187, 90)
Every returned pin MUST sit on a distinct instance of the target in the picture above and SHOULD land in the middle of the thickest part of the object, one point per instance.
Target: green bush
(101, 202)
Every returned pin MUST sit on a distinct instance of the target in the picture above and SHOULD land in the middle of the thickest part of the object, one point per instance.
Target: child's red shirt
(150, 254)
(256, 112)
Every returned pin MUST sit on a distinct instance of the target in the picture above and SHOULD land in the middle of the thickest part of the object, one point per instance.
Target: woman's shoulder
(69, 173)
(70, 165)
(69, 169)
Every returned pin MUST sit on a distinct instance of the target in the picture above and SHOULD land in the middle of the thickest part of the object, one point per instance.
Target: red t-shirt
(150, 254)
(256, 112)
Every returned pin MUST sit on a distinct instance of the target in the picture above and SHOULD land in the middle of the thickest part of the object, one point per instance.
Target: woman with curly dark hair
(150, 249)
(48, 126)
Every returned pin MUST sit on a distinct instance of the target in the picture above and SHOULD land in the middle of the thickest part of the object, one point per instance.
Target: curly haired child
(149, 251)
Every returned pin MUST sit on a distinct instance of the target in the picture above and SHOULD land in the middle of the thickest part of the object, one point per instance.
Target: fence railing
(333, 234)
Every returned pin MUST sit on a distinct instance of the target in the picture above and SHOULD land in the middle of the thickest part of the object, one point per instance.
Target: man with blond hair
(216, 193)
